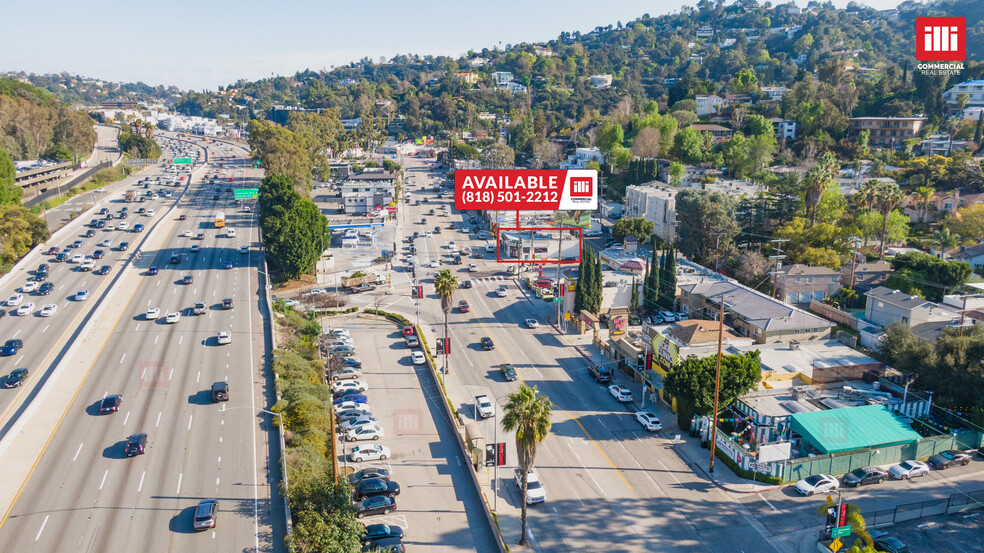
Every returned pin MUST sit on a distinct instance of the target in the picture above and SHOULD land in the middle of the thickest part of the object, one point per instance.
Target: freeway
(84, 494)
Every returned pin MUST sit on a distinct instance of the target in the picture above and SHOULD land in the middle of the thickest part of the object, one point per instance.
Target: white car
(418, 358)
(87, 265)
(357, 385)
(435, 263)
(532, 323)
(107, 243)
(649, 420)
(29, 287)
(149, 213)
(231, 233)
(818, 483)
(172, 317)
(340, 332)
(152, 314)
(188, 234)
(485, 406)
(472, 268)
(110, 228)
(534, 490)
(79, 258)
(292, 303)
(25, 309)
(15, 300)
(428, 234)
(908, 469)
(225, 337)
(502, 291)
(357, 422)
(452, 246)
(351, 406)
(82, 295)
(123, 225)
(620, 393)
(48, 310)
(370, 452)
(372, 432)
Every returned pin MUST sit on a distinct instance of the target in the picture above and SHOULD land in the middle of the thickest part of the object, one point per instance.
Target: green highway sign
(182, 160)
(556, 300)
(243, 193)
(840, 532)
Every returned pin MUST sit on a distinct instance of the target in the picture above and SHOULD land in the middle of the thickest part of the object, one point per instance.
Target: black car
(350, 362)
(378, 505)
(376, 532)
(11, 347)
(176, 259)
(98, 254)
(90, 233)
(363, 474)
(948, 458)
(152, 271)
(466, 284)
(889, 544)
(60, 257)
(487, 343)
(42, 269)
(110, 404)
(386, 545)
(15, 378)
(45, 289)
(508, 372)
(188, 279)
(40, 277)
(227, 303)
(371, 487)
(104, 270)
(124, 246)
(136, 445)
(865, 475)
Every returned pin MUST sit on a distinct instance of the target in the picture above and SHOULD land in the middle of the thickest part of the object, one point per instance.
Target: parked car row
(820, 483)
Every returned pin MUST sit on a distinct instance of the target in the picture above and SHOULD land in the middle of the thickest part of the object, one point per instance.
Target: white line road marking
(18, 332)
(42, 527)
(600, 489)
(180, 476)
(45, 329)
(216, 482)
(122, 358)
(180, 339)
(105, 474)
(77, 451)
(769, 503)
(159, 413)
(140, 487)
(170, 375)
(199, 377)
(157, 338)
(18, 360)
(143, 373)
(668, 471)
(126, 418)
(190, 418)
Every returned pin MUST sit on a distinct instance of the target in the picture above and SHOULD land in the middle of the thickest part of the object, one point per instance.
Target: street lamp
(283, 446)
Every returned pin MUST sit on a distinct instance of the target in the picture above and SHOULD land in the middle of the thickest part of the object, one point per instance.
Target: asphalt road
(83, 494)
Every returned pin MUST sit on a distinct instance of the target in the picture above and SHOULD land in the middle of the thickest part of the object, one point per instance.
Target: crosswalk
(490, 280)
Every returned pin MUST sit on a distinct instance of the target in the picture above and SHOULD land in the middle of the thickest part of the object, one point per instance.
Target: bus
(219, 220)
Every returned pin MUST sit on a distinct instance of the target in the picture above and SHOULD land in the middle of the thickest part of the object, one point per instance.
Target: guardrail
(61, 189)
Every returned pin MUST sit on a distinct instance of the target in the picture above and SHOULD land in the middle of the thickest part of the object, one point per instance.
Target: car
(227, 265)
(364, 420)
(11, 347)
(243, 249)
(352, 362)
(136, 445)
(227, 304)
(48, 310)
(372, 487)
(412, 341)
(484, 406)
(818, 483)
(346, 403)
(508, 372)
(200, 236)
(137, 228)
(87, 265)
(890, 544)
(181, 217)
(199, 308)
(54, 250)
(152, 314)
(104, 270)
(532, 323)
(466, 284)
(196, 248)
(26, 309)
(175, 259)
(98, 254)
(649, 420)
(45, 288)
(357, 385)
(187, 279)
(187, 234)
(42, 269)
(373, 472)
(502, 291)
(407, 330)
(205, 514)
(534, 490)
(908, 469)
(372, 432)
(620, 393)
(231, 232)
(60, 258)
(865, 475)
(377, 532)
(948, 458)
(82, 295)
(29, 287)
(463, 306)
(418, 358)
(152, 270)
(172, 317)
(77, 244)
(15, 300)
(107, 243)
(487, 343)
(472, 268)
(91, 232)
(111, 404)
(110, 228)
(378, 505)
(225, 337)
(350, 414)
(15, 378)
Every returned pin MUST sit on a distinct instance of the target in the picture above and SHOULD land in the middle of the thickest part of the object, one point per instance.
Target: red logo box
(581, 187)
(941, 38)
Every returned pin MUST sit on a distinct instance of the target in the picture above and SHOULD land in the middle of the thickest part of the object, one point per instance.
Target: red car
(463, 306)
(231, 179)
(53, 251)
(408, 330)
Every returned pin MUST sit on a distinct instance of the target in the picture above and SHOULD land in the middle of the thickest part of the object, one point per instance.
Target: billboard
(525, 190)
(773, 452)
(667, 353)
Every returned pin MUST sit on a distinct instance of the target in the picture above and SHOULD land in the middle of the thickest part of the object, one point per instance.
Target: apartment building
(886, 131)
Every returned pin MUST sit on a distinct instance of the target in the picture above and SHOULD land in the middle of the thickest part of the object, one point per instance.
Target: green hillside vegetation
(34, 125)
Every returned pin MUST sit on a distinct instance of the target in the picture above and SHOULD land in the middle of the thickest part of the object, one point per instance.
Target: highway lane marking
(16, 334)
(159, 413)
(36, 538)
(140, 487)
(77, 451)
(105, 474)
(45, 329)
(180, 339)
(769, 503)
(199, 377)
(216, 482)
(668, 471)
(122, 358)
(126, 418)
(190, 418)
(180, 476)
(170, 374)
(157, 338)
(588, 471)
(19, 360)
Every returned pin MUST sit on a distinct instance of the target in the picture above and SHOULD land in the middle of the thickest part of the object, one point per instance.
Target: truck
(360, 278)
(130, 196)
(601, 373)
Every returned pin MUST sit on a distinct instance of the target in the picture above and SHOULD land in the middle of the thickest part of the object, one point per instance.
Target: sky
(202, 44)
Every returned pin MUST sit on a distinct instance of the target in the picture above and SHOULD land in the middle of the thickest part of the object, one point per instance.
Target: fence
(834, 314)
(958, 502)
(74, 181)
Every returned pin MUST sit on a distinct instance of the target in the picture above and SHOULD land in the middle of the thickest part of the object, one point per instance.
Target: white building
(581, 157)
(705, 32)
(601, 81)
(501, 78)
(975, 96)
(773, 93)
(477, 62)
(708, 103)
(515, 88)
(368, 191)
(656, 202)
(784, 128)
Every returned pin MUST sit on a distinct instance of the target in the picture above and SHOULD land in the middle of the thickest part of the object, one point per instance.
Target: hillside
(34, 124)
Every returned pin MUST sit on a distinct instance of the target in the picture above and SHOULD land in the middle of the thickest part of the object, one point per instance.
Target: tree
(745, 82)
(887, 198)
(927, 275)
(445, 284)
(498, 156)
(855, 521)
(528, 414)
(593, 301)
(667, 280)
(609, 135)
(294, 229)
(691, 382)
(650, 285)
(646, 143)
(676, 171)
(707, 223)
(688, 146)
(639, 227)
(945, 240)
(20, 230)
(863, 142)
(10, 193)
(818, 179)
(968, 221)
(585, 274)
(752, 268)
(924, 195)
(634, 300)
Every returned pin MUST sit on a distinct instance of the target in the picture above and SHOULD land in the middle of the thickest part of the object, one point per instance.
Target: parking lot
(437, 506)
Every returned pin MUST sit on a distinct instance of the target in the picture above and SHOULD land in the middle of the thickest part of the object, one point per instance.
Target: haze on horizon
(200, 45)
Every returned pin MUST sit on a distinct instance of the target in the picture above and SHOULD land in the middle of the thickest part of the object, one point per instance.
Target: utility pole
(776, 272)
(717, 389)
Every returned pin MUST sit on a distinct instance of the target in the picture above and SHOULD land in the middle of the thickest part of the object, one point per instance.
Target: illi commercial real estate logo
(943, 42)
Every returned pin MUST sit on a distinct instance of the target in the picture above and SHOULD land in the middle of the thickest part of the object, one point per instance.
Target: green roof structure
(834, 430)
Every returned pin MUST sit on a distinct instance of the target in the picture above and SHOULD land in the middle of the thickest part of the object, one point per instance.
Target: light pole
(283, 446)
(495, 443)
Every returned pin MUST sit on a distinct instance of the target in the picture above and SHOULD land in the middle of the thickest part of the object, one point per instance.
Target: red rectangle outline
(580, 244)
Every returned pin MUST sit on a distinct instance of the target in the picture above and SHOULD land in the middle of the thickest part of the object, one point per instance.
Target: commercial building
(368, 191)
(886, 131)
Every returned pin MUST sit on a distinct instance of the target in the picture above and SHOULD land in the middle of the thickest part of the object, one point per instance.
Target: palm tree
(445, 284)
(924, 194)
(866, 194)
(529, 415)
(945, 240)
(817, 180)
(887, 198)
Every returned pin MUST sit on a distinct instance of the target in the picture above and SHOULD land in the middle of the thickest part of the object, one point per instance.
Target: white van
(489, 247)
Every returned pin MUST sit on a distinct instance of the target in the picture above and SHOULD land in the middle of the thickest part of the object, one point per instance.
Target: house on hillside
(798, 284)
